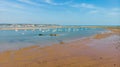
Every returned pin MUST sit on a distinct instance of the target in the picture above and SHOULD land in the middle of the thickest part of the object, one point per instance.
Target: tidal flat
(74, 47)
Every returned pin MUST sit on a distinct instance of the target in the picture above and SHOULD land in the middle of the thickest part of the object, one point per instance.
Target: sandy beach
(101, 50)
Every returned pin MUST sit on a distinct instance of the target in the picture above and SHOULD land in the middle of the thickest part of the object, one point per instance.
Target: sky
(64, 12)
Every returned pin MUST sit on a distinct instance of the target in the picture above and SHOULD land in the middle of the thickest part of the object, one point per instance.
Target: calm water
(11, 39)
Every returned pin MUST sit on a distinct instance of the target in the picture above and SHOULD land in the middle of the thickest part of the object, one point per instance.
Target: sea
(16, 39)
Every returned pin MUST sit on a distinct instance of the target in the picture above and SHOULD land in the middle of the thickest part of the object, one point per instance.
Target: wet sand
(101, 50)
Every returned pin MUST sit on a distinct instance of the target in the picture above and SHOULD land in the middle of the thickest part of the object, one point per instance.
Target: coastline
(79, 53)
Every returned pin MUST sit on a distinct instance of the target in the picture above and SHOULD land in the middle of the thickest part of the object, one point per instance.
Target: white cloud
(48, 1)
(30, 2)
(84, 5)
(116, 9)
(51, 2)
(113, 13)
(106, 12)
(27, 1)
(92, 9)
(5, 5)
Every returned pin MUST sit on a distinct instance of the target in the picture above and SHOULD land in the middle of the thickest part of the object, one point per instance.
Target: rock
(48, 34)
(53, 34)
(40, 34)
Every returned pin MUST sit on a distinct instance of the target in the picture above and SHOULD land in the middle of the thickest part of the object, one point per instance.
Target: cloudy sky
(65, 12)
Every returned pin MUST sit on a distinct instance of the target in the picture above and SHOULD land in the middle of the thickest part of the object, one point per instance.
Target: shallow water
(11, 39)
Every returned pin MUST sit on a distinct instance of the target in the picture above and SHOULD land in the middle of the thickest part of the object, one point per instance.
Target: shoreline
(80, 53)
